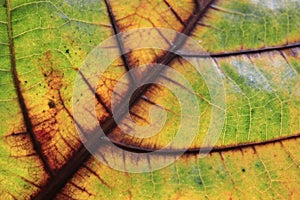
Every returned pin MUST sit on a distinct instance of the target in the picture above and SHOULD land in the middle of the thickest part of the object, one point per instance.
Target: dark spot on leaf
(4, 5)
(243, 170)
(198, 181)
(25, 81)
(51, 104)
(67, 51)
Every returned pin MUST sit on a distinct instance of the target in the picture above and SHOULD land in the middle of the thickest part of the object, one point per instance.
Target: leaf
(255, 47)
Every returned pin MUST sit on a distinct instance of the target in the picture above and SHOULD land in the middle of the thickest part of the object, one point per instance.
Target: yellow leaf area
(44, 43)
(268, 171)
(131, 15)
(262, 95)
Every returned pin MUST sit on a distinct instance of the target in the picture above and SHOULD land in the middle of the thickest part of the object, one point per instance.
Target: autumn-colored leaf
(253, 45)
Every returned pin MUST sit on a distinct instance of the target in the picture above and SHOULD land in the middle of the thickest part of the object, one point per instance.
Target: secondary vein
(20, 97)
(242, 52)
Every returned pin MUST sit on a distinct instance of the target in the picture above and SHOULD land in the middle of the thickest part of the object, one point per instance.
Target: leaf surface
(255, 48)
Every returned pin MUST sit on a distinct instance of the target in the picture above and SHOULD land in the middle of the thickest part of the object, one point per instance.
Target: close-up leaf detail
(254, 45)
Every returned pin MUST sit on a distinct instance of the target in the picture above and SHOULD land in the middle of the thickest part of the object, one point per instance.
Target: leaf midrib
(55, 184)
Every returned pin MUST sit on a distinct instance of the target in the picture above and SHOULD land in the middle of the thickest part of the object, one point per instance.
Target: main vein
(51, 189)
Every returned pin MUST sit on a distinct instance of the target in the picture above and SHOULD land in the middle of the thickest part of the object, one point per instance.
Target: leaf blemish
(198, 181)
(51, 104)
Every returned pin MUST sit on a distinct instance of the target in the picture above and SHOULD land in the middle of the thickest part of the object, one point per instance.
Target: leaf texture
(253, 45)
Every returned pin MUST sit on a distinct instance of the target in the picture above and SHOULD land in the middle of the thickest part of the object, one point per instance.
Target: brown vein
(174, 12)
(21, 101)
(242, 52)
(139, 149)
(119, 39)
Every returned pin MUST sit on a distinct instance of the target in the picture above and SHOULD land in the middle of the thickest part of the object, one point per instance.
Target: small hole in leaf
(67, 51)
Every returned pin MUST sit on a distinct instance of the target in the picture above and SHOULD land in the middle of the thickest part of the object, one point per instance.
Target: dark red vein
(174, 12)
(140, 149)
(119, 39)
(21, 101)
(242, 52)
